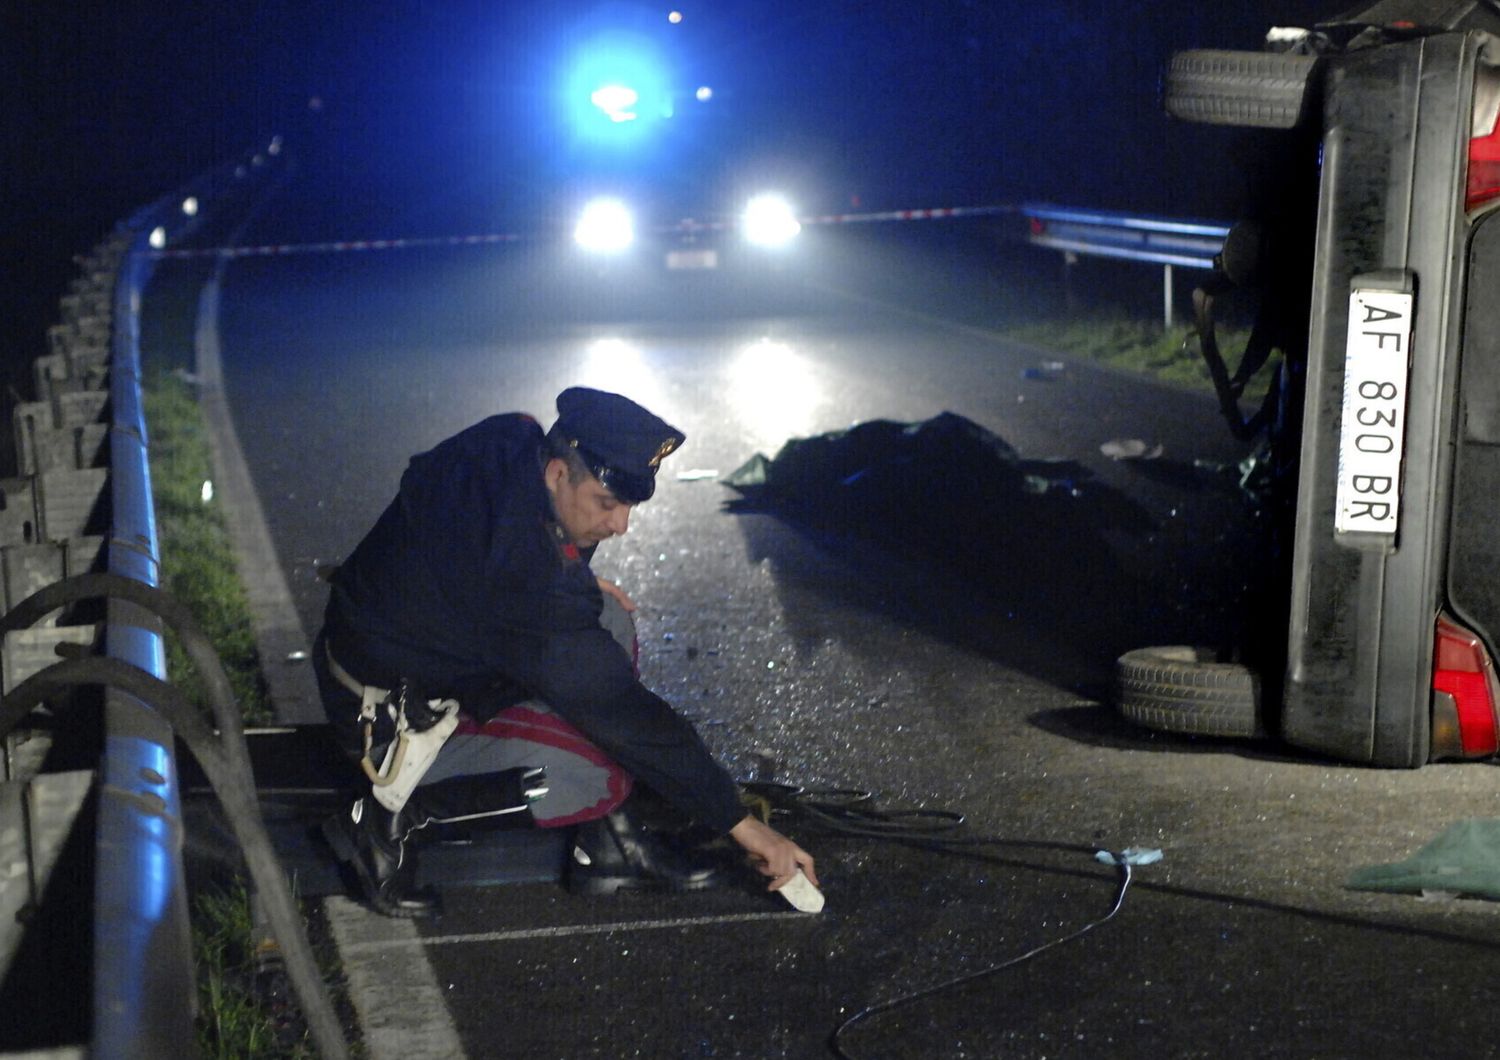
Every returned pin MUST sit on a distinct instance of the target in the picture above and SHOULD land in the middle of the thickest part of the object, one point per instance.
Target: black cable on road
(849, 812)
(937, 988)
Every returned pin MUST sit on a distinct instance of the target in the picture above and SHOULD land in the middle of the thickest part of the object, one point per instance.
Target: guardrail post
(1163, 241)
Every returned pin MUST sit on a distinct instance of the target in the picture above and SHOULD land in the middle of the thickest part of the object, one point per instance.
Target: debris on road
(1130, 856)
(1463, 859)
(1047, 370)
(1130, 449)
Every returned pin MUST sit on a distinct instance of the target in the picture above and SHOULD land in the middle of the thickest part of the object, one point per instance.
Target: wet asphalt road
(940, 673)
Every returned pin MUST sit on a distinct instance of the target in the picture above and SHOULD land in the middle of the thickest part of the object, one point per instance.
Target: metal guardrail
(143, 966)
(1130, 237)
(143, 945)
(143, 992)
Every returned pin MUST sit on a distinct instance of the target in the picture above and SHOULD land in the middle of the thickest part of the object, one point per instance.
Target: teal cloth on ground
(1464, 859)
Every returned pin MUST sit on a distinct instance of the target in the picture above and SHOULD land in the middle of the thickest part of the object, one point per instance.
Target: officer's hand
(605, 585)
(772, 853)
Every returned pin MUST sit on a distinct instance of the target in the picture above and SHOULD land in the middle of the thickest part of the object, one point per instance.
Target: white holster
(411, 753)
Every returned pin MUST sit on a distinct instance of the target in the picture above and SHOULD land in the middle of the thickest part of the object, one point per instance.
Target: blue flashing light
(616, 101)
(617, 85)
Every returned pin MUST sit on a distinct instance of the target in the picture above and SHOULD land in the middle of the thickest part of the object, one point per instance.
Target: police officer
(478, 669)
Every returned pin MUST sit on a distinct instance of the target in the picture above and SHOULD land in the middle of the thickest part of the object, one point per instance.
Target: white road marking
(564, 931)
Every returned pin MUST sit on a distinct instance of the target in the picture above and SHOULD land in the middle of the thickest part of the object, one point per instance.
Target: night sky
(422, 118)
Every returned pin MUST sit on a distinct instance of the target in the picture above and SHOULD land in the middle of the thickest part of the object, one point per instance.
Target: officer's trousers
(583, 782)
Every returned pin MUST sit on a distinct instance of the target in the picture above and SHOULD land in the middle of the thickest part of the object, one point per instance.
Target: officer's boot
(377, 845)
(616, 852)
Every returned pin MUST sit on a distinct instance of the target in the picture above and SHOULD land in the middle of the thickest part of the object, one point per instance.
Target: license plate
(1373, 422)
(693, 259)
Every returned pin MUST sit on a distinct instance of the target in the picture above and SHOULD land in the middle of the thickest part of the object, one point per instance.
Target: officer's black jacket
(467, 587)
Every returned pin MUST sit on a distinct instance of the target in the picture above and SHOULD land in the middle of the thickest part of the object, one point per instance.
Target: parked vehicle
(1382, 437)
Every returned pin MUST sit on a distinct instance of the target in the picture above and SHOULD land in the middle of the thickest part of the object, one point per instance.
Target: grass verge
(1144, 347)
(197, 560)
(245, 1004)
(242, 993)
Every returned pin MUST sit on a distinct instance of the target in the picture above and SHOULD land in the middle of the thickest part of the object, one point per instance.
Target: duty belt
(348, 680)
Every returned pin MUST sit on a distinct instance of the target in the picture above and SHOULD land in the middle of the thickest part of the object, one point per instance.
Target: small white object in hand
(803, 896)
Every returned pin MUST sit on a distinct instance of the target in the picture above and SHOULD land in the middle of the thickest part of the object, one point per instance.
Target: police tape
(940, 213)
(336, 246)
(687, 226)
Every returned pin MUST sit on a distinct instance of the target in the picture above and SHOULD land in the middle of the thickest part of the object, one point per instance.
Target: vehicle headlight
(604, 227)
(769, 221)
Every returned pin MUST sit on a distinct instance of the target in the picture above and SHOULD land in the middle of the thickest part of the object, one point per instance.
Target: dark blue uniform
(467, 588)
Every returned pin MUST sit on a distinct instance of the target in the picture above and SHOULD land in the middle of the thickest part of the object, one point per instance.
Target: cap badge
(666, 448)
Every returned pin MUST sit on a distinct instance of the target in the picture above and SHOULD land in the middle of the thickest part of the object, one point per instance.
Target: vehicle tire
(1184, 689)
(1265, 90)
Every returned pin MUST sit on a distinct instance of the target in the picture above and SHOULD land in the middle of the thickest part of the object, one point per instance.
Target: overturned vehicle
(1383, 433)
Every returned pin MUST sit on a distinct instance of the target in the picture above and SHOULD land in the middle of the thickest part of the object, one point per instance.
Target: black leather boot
(376, 844)
(615, 853)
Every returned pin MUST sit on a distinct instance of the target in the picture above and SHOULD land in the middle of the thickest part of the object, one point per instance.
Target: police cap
(622, 443)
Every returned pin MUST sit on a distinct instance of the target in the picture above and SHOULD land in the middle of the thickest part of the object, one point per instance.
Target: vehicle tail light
(1484, 171)
(1465, 694)
(1484, 144)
